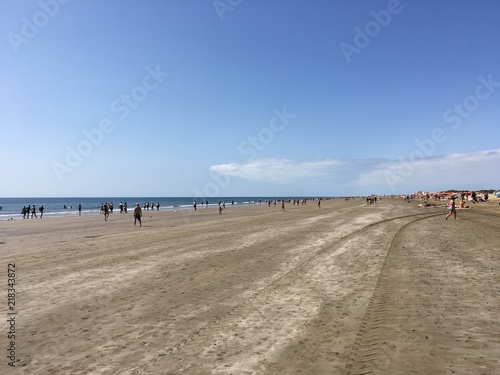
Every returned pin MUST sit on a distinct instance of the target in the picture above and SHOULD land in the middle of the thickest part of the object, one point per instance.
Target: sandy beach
(388, 288)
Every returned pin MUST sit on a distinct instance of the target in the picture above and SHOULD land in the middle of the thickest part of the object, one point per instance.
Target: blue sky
(239, 97)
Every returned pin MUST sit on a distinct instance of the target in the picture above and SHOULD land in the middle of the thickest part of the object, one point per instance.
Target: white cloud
(280, 170)
(468, 170)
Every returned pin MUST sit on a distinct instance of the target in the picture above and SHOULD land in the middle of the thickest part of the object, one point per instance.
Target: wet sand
(346, 289)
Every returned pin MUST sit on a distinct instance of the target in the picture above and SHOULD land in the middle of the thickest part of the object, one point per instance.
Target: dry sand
(346, 289)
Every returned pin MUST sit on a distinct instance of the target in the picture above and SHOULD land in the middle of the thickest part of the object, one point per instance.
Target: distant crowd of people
(147, 205)
(269, 202)
(107, 208)
(27, 210)
(471, 196)
(222, 204)
(457, 200)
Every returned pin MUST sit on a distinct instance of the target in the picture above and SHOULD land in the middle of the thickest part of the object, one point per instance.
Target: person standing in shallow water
(453, 209)
(137, 214)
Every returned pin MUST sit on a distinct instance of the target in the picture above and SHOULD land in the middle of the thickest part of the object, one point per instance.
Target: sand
(346, 289)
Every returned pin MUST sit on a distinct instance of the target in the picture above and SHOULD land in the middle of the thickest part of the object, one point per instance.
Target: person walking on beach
(453, 209)
(282, 206)
(33, 212)
(319, 202)
(125, 207)
(106, 211)
(41, 208)
(137, 214)
(473, 196)
(79, 209)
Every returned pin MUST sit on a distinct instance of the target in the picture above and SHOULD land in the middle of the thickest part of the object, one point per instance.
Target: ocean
(57, 207)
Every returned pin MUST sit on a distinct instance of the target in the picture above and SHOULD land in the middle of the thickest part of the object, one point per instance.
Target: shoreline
(71, 213)
(174, 203)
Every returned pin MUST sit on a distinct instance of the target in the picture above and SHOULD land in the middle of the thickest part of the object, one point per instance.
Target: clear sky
(238, 97)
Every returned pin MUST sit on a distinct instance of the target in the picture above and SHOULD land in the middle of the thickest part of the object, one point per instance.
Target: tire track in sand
(371, 353)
